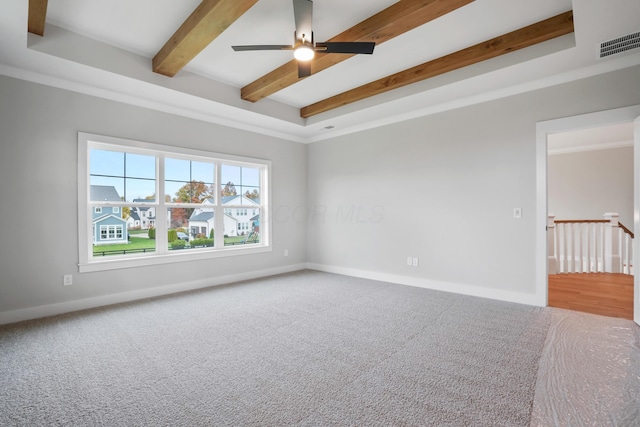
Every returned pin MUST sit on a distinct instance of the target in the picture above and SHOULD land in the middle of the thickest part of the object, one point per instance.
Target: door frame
(583, 121)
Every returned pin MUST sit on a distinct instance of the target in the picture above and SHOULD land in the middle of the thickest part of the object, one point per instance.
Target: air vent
(619, 45)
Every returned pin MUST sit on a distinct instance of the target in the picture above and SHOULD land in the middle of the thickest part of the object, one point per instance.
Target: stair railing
(589, 246)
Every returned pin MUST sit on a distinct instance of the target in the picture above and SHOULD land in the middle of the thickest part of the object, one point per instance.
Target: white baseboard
(83, 304)
(458, 288)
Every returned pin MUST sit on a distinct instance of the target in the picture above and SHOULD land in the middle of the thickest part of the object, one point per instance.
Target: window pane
(189, 192)
(251, 195)
(250, 176)
(191, 228)
(109, 163)
(172, 190)
(230, 177)
(105, 189)
(123, 231)
(179, 218)
(202, 171)
(130, 176)
(240, 181)
(242, 226)
(189, 181)
(138, 190)
(140, 166)
(177, 170)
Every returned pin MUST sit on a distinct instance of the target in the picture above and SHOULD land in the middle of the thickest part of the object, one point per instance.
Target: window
(167, 204)
(111, 232)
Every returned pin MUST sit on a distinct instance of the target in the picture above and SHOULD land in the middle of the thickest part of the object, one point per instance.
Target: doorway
(577, 123)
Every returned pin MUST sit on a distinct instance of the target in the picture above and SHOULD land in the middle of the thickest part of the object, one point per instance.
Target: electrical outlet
(286, 252)
(409, 261)
(415, 262)
(67, 280)
(517, 213)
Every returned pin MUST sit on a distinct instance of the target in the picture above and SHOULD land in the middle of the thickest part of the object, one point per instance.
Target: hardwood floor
(607, 294)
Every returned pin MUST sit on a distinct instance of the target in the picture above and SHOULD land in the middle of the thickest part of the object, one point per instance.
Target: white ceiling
(104, 48)
(597, 138)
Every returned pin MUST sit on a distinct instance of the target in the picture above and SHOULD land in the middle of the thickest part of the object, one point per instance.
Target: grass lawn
(233, 240)
(135, 243)
(142, 244)
(138, 231)
(238, 240)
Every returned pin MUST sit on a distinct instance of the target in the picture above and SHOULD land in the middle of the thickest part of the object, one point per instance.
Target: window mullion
(218, 210)
(265, 219)
(161, 209)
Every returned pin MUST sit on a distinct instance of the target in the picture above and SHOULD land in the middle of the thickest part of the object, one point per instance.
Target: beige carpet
(305, 348)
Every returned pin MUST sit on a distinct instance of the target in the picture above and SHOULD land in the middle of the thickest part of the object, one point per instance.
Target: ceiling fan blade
(346, 47)
(304, 69)
(262, 47)
(303, 13)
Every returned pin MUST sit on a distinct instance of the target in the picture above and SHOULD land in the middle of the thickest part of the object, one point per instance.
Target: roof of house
(228, 199)
(202, 216)
(134, 215)
(105, 216)
(104, 193)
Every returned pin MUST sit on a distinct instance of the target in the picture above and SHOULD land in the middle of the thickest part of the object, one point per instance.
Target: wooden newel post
(552, 260)
(612, 243)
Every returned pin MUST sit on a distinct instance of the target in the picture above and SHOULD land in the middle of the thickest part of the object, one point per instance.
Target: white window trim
(87, 263)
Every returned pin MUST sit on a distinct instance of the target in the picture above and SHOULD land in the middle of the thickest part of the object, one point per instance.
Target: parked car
(183, 236)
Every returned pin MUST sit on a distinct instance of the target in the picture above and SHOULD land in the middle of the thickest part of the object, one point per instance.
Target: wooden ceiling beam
(397, 19)
(205, 23)
(37, 16)
(533, 34)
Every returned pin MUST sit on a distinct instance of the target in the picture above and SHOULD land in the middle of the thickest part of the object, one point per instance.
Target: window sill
(133, 261)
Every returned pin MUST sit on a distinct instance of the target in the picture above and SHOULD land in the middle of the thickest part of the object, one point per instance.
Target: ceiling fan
(304, 47)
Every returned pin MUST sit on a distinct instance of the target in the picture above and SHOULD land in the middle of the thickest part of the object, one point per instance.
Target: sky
(133, 175)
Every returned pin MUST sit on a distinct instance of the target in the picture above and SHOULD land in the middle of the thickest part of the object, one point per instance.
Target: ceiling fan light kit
(303, 50)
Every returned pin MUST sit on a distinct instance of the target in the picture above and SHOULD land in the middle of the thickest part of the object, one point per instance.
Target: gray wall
(38, 189)
(585, 185)
(442, 188)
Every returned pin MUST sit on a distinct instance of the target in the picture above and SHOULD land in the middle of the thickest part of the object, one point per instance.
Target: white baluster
(611, 243)
(601, 236)
(552, 261)
(574, 258)
(628, 253)
(565, 241)
(589, 247)
(580, 248)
